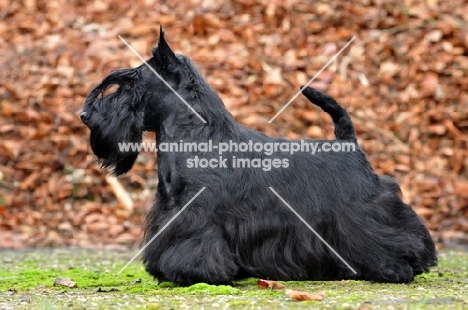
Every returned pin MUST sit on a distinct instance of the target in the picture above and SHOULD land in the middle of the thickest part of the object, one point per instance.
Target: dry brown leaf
(437, 129)
(274, 77)
(424, 212)
(64, 282)
(301, 296)
(434, 36)
(314, 132)
(269, 284)
(203, 21)
(431, 79)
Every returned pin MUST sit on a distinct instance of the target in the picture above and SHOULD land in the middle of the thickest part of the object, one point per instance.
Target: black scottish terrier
(237, 227)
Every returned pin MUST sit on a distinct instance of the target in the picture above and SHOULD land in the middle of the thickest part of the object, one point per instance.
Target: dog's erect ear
(163, 54)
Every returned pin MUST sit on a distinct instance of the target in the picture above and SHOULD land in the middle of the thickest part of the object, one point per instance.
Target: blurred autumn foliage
(404, 80)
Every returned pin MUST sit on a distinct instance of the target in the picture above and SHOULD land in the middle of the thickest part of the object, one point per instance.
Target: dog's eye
(131, 85)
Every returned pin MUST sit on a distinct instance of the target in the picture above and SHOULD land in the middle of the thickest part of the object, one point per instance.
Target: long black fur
(237, 227)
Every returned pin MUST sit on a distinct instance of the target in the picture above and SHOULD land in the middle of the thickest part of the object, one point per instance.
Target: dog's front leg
(200, 257)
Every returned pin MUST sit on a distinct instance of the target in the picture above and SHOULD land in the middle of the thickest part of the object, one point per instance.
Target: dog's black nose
(84, 117)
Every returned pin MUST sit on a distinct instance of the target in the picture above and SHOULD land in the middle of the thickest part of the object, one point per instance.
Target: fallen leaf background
(404, 81)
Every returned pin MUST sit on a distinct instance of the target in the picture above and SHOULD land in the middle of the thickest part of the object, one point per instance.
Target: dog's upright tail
(344, 128)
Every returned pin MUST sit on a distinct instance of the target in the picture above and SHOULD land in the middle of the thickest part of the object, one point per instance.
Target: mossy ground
(27, 277)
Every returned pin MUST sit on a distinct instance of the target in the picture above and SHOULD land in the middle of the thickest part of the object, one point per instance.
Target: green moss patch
(27, 282)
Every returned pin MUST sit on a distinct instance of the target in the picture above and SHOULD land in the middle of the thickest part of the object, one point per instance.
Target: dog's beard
(117, 120)
(106, 143)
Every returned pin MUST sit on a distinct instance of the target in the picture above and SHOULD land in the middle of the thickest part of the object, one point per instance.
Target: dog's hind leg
(385, 239)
